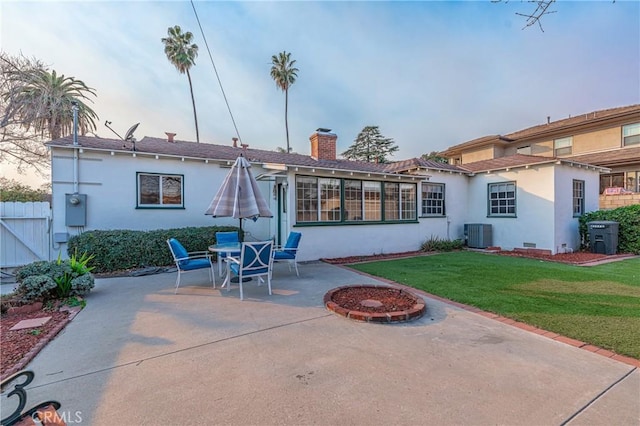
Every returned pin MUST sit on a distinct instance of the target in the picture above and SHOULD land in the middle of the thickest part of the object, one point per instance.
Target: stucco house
(342, 207)
(608, 138)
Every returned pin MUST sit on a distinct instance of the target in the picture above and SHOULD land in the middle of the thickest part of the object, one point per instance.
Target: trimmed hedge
(628, 218)
(117, 250)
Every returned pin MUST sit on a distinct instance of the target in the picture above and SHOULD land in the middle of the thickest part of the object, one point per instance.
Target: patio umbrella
(239, 196)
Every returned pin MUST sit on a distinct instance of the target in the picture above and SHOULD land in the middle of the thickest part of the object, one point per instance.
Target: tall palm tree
(182, 53)
(284, 74)
(44, 101)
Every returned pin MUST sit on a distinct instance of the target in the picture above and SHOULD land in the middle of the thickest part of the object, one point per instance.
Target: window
(351, 200)
(160, 190)
(433, 199)
(562, 146)
(631, 134)
(627, 180)
(502, 199)
(578, 197)
(524, 150)
(317, 199)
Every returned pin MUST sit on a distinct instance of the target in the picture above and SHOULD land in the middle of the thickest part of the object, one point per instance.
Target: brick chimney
(170, 136)
(323, 144)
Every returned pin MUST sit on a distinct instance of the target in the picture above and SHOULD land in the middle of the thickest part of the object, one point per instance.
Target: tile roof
(512, 161)
(178, 148)
(593, 117)
(618, 157)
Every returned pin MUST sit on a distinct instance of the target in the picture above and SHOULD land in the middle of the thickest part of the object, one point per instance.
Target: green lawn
(598, 304)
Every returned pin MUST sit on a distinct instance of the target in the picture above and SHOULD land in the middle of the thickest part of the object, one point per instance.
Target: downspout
(76, 159)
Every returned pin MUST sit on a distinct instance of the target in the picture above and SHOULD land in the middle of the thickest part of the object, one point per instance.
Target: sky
(430, 74)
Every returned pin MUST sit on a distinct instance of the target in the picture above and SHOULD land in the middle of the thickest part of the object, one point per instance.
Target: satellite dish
(129, 135)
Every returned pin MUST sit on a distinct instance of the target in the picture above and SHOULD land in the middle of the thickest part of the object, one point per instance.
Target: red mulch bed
(19, 347)
(575, 258)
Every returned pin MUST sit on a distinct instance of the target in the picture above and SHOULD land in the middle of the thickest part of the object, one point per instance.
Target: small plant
(440, 244)
(35, 332)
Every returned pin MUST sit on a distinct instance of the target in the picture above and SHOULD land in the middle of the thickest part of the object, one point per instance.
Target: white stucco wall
(567, 237)
(534, 221)
(110, 185)
(327, 241)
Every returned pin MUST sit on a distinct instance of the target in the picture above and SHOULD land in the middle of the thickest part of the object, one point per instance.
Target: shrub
(117, 250)
(440, 244)
(628, 218)
(60, 279)
(36, 287)
(82, 285)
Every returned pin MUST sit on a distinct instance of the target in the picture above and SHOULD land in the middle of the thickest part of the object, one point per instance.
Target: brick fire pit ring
(374, 303)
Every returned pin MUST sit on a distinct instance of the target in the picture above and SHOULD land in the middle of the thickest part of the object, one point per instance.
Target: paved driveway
(138, 354)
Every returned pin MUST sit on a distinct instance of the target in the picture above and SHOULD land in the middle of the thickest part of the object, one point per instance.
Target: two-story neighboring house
(607, 138)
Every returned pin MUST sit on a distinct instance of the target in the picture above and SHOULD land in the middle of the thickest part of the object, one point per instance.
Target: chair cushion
(179, 251)
(292, 242)
(235, 268)
(196, 264)
(283, 255)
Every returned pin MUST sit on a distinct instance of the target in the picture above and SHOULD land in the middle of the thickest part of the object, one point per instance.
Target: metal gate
(25, 233)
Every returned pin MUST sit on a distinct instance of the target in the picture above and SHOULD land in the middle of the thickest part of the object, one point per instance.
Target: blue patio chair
(190, 261)
(223, 238)
(255, 260)
(289, 251)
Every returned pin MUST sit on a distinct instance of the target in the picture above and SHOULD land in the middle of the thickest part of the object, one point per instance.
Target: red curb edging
(532, 329)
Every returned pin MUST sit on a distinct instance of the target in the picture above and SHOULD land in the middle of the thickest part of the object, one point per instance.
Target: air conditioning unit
(478, 235)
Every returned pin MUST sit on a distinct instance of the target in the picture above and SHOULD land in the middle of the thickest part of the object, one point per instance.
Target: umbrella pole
(241, 238)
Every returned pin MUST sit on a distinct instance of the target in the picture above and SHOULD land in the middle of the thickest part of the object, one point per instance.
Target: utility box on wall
(75, 209)
(603, 236)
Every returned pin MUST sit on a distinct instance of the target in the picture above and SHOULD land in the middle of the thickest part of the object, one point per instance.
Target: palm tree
(45, 100)
(284, 74)
(182, 53)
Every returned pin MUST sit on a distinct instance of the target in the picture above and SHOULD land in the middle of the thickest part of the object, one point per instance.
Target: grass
(599, 305)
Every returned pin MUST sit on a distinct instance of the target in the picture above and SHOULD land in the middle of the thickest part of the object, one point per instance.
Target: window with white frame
(317, 199)
(631, 134)
(432, 199)
(562, 146)
(502, 199)
(578, 197)
(160, 190)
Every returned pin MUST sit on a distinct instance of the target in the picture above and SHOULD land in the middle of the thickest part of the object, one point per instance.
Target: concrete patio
(139, 354)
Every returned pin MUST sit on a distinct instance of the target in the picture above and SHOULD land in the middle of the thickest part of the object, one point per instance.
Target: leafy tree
(35, 106)
(433, 156)
(284, 74)
(182, 53)
(12, 190)
(371, 146)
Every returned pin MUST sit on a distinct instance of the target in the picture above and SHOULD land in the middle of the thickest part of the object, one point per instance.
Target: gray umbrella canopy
(239, 196)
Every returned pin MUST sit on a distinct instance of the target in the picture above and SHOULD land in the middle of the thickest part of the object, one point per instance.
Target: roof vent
(170, 136)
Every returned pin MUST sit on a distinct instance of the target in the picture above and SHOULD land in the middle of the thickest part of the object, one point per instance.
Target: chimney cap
(323, 130)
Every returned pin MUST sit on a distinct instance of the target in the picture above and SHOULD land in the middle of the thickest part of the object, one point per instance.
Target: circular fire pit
(374, 303)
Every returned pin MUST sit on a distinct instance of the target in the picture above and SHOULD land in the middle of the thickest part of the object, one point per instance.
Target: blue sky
(429, 74)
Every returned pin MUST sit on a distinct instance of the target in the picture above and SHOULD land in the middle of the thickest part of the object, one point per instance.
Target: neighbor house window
(562, 146)
(160, 190)
(524, 150)
(502, 199)
(631, 134)
(613, 180)
(433, 199)
(578, 197)
(351, 200)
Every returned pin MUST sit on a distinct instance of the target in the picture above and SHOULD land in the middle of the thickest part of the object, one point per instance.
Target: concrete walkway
(140, 355)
